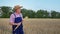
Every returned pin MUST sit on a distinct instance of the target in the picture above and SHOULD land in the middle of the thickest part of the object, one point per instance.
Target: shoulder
(12, 15)
(21, 14)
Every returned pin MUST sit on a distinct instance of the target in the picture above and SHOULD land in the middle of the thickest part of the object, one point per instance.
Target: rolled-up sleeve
(12, 18)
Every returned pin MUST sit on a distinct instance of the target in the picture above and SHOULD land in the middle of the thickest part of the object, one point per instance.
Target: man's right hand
(18, 24)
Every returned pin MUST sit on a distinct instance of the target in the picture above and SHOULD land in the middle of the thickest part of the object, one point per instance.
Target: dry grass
(33, 26)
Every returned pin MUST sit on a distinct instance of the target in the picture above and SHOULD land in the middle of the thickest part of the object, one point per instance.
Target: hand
(18, 24)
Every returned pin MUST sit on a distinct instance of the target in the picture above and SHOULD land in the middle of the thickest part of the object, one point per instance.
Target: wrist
(15, 24)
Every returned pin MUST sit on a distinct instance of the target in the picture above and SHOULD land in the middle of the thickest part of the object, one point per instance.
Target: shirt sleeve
(22, 16)
(12, 18)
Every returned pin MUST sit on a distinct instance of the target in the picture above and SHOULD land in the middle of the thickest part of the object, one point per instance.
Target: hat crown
(17, 7)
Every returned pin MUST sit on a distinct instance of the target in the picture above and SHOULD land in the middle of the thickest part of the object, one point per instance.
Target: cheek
(19, 10)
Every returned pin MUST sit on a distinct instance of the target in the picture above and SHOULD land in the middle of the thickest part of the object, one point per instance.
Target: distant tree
(31, 14)
(6, 10)
(24, 12)
(58, 15)
(42, 14)
(46, 14)
(39, 14)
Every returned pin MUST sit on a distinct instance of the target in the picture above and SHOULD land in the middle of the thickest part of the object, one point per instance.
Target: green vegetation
(6, 11)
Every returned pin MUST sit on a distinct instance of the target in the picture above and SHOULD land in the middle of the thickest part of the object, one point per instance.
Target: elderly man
(16, 20)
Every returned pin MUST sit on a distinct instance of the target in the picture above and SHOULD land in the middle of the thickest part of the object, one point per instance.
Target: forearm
(11, 23)
(15, 24)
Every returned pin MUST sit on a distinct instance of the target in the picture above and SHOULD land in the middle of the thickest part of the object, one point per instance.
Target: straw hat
(17, 7)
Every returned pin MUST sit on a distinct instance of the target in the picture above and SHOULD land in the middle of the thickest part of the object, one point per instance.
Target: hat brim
(17, 7)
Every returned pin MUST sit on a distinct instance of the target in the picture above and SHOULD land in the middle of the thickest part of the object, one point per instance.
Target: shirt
(12, 17)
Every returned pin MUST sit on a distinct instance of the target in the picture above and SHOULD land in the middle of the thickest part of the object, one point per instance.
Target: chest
(17, 18)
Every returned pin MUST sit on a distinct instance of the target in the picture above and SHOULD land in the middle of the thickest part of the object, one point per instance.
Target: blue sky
(33, 4)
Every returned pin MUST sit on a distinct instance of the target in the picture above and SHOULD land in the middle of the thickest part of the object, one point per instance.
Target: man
(16, 20)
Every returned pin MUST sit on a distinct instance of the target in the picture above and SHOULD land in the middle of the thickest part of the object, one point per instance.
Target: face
(18, 10)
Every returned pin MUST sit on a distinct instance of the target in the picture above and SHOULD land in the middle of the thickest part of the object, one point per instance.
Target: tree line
(6, 11)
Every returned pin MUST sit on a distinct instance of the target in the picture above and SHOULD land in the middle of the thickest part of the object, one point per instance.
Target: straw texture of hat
(17, 7)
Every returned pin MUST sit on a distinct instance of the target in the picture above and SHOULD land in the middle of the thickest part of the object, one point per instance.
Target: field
(33, 26)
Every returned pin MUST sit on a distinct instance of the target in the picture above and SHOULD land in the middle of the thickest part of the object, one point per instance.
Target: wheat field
(33, 26)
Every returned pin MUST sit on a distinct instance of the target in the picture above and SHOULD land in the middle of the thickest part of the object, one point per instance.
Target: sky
(33, 4)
